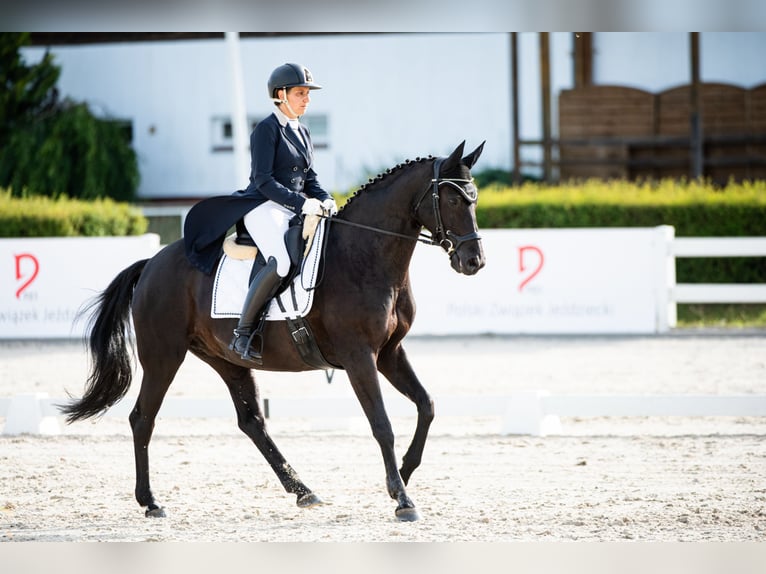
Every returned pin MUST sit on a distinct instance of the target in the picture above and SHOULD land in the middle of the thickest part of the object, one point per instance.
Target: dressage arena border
(535, 413)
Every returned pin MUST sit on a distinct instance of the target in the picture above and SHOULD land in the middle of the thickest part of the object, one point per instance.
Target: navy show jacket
(281, 170)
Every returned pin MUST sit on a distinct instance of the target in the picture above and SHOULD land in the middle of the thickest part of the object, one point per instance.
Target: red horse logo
(28, 278)
(523, 267)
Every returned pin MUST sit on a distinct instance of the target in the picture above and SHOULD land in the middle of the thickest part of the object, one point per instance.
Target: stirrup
(245, 350)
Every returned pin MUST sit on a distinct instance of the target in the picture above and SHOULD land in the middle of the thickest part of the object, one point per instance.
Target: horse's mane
(375, 182)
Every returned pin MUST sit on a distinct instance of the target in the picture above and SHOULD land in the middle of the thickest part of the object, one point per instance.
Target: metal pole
(239, 127)
(695, 117)
(515, 108)
(545, 86)
(583, 59)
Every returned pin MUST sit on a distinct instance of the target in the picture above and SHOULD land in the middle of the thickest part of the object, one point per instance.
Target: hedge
(64, 217)
(694, 209)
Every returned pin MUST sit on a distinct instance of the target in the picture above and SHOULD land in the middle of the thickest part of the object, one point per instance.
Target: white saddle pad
(231, 284)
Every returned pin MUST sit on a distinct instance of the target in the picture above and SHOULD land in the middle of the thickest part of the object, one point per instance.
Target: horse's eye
(454, 201)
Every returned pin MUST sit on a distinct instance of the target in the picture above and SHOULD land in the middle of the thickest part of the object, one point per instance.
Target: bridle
(442, 237)
(445, 238)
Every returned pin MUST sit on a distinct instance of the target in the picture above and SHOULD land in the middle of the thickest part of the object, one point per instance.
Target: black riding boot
(263, 287)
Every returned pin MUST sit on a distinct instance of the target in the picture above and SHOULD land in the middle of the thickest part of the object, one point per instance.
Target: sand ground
(602, 479)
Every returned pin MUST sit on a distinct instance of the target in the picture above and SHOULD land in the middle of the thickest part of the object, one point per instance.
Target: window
(222, 133)
(317, 125)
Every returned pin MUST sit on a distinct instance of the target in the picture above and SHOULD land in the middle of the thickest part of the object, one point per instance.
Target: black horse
(361, 312)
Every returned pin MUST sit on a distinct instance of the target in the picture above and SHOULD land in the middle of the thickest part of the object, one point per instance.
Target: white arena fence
(623, 270)
(535, 413)
(717, 292)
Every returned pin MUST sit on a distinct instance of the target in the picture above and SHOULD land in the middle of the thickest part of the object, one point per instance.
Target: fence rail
(717, 247)
(524, 413)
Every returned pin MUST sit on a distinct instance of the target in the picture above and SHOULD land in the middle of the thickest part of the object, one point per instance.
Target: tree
(50, 146)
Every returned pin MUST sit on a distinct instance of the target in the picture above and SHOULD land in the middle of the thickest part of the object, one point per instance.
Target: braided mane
(373, 183)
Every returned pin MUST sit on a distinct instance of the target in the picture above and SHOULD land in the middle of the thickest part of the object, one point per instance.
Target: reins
(422, 237)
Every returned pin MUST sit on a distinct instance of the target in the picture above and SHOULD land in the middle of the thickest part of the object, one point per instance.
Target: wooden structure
(619, 132)
(716, 131)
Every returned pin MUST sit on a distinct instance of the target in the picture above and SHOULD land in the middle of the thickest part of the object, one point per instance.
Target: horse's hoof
(407, 514)
(309, 500)
(157, 512)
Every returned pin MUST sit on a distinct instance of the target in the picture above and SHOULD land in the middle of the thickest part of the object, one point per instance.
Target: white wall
(170, 91)
(388, 97)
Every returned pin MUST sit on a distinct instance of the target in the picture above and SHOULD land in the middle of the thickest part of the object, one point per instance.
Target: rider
(284, 184)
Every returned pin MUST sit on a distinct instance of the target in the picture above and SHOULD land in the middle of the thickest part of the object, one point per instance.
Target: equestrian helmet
(291, 76)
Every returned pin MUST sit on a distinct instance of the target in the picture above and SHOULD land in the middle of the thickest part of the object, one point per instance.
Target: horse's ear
(454, 158)
(470, 160)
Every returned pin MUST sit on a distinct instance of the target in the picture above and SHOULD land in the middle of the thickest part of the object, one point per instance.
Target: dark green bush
(63, 217)
(52, 146)
(497, 176)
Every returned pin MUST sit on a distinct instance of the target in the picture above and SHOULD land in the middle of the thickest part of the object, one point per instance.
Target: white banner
(548, 281)
(44, 282)
(536, 281)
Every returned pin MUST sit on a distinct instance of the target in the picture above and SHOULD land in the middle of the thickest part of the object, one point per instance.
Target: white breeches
(267, 225)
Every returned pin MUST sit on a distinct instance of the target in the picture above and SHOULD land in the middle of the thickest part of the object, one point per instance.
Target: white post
(665, 278)
(525, 415)
(239, 124)
(27, 415)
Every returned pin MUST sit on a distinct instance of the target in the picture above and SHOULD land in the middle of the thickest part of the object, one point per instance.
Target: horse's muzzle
(468, 258)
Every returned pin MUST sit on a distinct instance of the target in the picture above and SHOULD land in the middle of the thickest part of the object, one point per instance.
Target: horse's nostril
(477, 263)
(473, 264)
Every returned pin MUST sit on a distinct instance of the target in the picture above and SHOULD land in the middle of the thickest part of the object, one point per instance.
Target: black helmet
(291, 76)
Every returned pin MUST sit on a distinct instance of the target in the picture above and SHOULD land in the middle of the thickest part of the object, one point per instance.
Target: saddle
(240, 245)
(299, 240)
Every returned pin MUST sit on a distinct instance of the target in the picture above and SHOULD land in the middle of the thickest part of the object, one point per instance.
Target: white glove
(312, 206)
(330, 207)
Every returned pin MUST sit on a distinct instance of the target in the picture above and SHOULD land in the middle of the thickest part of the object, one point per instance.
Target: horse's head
(448, 210)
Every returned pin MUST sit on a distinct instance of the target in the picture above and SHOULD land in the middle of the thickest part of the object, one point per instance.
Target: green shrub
(63, 217)
(694, 209)
(497, 176)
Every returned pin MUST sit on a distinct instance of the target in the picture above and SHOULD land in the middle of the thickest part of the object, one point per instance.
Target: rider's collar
(281, 117)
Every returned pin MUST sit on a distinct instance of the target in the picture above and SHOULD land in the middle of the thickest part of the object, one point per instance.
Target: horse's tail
(111, 371)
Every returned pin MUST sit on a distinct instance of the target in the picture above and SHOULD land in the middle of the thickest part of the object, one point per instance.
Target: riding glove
(312, 206)
(330, 207)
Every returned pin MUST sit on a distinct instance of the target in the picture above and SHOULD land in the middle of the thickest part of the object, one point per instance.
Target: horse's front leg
(364, 380)
(395, 366)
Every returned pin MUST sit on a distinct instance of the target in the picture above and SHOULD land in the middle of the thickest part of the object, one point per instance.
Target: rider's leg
(266, 224)
(264, 285)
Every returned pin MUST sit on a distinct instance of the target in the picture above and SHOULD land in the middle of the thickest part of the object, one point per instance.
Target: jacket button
(305, 170)
(295, 168)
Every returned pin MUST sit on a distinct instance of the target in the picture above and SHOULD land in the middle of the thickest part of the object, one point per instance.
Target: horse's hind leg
(160, 365)
(250, 419)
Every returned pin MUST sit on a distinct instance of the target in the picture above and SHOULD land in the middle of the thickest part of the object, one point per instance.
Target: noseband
(442, 237)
